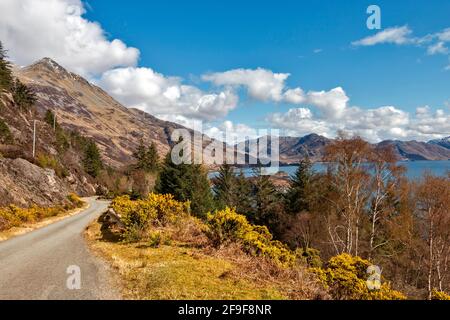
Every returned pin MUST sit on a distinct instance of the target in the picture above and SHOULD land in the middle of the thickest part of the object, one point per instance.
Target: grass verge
(176, 271)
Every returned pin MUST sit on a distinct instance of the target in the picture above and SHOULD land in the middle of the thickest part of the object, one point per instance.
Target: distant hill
(118, 130)
(293, 149)
(87, 108)
(442, 142)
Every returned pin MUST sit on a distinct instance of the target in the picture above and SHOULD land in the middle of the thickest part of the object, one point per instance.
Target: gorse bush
(439, 295)
(155, 211)
(226, 226)
(13, 216)
(346, 276)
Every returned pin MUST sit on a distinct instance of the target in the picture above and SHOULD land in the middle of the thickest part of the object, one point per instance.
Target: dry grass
(186, 267)
(174, 272)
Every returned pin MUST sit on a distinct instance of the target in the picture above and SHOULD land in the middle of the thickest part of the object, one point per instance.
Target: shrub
(226, 226)
(346, 276)
(310, 256)
(156, 210)
(5, 134)
(14, 216)
(439, 295)
(75, 200)
(49, 162)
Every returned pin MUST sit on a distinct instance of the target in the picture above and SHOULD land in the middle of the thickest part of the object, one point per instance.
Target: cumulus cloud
(331, 103)
(265, 85)
(147, 90)
(395, 35)
(373, 124)
(261, 84)
(33, 29)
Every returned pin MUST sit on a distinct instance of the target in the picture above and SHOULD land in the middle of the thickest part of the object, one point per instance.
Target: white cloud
(262, 84)
(161, 96)
(265, 85)
(437, 48)
(33, 29)
(331, 103)
(373, 124)
(395, 35)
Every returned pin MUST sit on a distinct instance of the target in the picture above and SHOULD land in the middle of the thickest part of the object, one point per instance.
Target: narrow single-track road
(54, 263)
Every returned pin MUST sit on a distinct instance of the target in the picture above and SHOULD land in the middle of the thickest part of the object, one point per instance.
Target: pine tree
(6, 79)
(298, 194)
(186, 182)
(242, 194)
(92, 160)
(267, 205)
(147, 158)
(23, 96)
(224, 186)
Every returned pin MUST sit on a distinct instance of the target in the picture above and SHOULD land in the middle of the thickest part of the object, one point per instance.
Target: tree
(147, 157)
(242, 196)
(267, 204)
(224, 185)
(384, 179)
(22, 95)
(349, 178)
(298, 195)
(186, 182)
(92, 160)
(433, 208)
(6, 78)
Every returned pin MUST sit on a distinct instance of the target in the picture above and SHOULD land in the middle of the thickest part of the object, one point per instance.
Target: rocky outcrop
(23, 183)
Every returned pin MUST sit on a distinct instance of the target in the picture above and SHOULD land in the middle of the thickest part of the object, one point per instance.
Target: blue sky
(180, 43)
(189, 38)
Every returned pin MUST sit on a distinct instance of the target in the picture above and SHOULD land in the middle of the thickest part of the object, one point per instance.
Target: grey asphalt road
(39, 265)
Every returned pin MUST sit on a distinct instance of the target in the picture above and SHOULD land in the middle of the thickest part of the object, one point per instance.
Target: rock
(23, 183)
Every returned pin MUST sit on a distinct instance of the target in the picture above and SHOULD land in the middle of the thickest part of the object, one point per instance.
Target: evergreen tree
(92, 160)
(6, 79)
(147, 158)
(23, 96)
(186, 182)
(224, 185)
(267, 205)
(242, 194)
(298, 194)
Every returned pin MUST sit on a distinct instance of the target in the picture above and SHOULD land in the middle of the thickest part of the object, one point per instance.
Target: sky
(298, 66)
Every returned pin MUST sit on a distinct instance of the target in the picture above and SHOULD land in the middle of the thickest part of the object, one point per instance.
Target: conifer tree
(224, 185)
(147, 157)
(186, 182)
(23, 96)
(92, 160)
(298, 194)
(267, 205)
(242, 194)
(6, 79)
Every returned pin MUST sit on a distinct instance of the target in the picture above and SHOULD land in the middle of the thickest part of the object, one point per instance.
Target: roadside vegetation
(13, 216)
(361, 230)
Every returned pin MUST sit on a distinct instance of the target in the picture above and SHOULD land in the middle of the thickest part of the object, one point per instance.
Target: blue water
(415, 169)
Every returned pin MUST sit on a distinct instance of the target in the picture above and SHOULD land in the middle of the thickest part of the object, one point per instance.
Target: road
(45, 263)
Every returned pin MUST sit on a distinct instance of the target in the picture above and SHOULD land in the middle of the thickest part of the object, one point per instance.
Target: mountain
(445, 142)
(118, 130)
(312, 146)
(293, 149)
(415, 150)
(82, 106)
